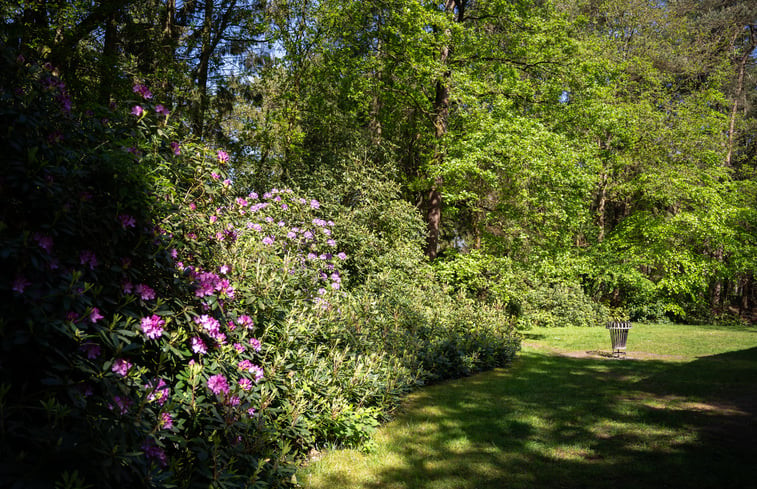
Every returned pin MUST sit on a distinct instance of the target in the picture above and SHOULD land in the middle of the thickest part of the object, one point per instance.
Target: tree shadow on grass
(560, 422)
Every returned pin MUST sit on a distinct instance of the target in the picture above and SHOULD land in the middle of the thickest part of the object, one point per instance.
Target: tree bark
(739, 90)
(441, 117)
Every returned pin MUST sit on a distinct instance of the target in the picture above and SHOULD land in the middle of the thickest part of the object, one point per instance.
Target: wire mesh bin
(619, 336)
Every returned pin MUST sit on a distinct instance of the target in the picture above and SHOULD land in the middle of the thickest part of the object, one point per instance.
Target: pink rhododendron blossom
(95, 315)
(127, 221)
(158, 392)
(255, 344)
(152, 326)
(251, 412)
(227, 183)
(245, 365)
(87, 257)
(218, 384)
(257, 372)
(239, 347)
(341, 255)
(145, 292)
(268, 240)
(19, 284)
(213, 219)
(215, 176)
(245, 320)
(175, 148)
(245, 384)
(123, 404)
(92, 350)
(142, 90)
(166, 421)
(223, 156)
(331, 242)
(137, 110)
(160, 109)
(314, 204)
(234, 401)
(154, 452)
(121, 367)
(127, 287)
(45, 242)
(198, 346)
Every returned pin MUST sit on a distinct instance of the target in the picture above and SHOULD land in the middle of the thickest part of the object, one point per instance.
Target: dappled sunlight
(552, 420)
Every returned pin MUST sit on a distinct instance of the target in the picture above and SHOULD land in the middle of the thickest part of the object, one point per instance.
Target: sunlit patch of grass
(552, 420)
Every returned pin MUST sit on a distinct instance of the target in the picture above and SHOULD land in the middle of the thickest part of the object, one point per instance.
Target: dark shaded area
(622, 424)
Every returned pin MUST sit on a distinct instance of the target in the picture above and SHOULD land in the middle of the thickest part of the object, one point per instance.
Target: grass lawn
(680, 411)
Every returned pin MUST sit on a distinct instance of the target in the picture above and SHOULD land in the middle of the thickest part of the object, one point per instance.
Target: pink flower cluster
(152, 326)
(208, 283)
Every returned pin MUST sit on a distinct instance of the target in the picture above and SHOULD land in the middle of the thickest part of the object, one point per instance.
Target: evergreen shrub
(163, 326)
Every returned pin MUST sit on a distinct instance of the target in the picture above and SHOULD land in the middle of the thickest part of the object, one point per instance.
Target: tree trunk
(108, 60)
(202, 70)
(739, 90)
(441, 117)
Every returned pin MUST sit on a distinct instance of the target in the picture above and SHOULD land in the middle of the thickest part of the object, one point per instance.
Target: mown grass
(683, 416)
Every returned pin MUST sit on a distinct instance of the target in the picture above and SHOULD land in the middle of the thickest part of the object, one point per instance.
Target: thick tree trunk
(108, 60)
(441, 116)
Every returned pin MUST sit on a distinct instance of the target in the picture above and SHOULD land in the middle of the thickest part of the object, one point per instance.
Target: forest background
(483, 166)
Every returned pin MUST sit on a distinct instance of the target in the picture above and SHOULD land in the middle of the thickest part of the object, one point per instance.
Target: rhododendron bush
(166, 325)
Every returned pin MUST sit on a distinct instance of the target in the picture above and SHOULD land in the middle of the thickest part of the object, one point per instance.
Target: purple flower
(121, 367)
(257, 372)
(331, 242)
(251, 412)
(92, 350)
(255, 344)
(223, 156)
(159, 392)
(142, 90)
(175, 148)
(45, 242)
(227, 183)
(268, 240)
(161, 110)
(218, 384)
(122, 403)
(95, 315)
(19, 284)
(166, 421)
(308, 235)
(314, 204)
(245, 320)
(144, 292)
(127, 221)
(341, 255)
(198, 346)
(152, 327)
(127, 287)
(245, 384)
(210, 324)
(87, 257)
(154, 452)
(238, 346)
(137, 110)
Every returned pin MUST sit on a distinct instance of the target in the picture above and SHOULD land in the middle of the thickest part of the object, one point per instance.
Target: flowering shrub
(164, 325)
